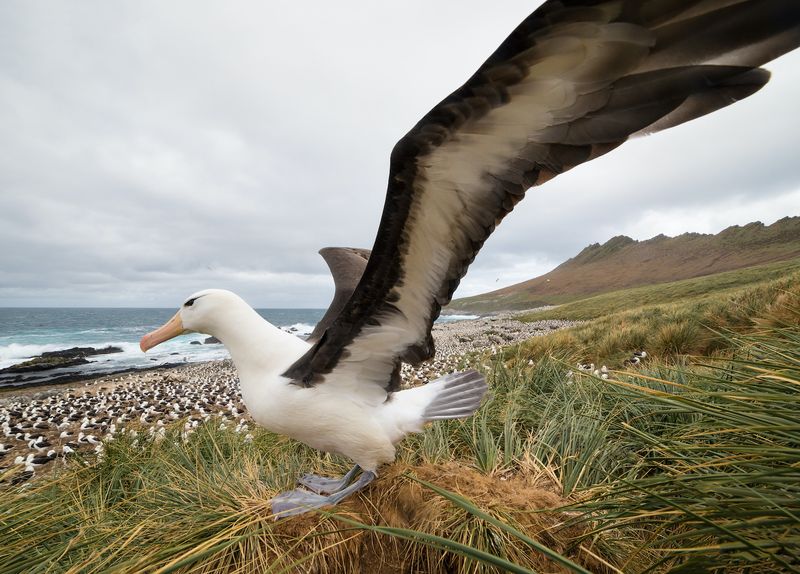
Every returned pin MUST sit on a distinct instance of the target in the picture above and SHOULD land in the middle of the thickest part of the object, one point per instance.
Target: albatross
(576, 79)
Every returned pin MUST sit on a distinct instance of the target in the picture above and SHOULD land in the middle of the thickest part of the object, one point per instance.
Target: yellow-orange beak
(168, 330)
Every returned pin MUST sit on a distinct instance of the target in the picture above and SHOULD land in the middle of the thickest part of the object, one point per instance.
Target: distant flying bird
(573, 81)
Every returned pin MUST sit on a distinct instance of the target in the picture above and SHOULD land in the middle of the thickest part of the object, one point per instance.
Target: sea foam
(17, 352)
(299, 329)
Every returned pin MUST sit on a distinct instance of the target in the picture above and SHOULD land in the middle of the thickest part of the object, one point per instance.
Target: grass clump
(718, 490)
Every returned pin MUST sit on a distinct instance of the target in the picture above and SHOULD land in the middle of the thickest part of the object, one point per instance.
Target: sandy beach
(81, 416)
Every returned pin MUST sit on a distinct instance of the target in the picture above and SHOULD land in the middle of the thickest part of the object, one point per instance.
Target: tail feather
(458, 395)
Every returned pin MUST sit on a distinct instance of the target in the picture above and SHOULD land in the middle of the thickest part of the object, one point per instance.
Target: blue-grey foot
(299, 501)
(323, 485)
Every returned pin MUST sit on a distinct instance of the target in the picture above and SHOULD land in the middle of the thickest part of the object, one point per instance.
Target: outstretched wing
(573, 81)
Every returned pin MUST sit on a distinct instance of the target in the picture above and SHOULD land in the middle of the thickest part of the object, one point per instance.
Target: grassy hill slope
(622, 263)
(695, 317)
(712, 286)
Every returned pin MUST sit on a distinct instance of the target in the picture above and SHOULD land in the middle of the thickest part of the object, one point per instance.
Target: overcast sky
(152, 149)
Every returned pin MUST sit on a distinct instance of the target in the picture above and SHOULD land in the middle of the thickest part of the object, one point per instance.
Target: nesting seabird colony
(576, 79)
(79, 418)
(38, 428)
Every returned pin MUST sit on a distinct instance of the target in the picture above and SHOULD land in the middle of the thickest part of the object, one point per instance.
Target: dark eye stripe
(190, 302)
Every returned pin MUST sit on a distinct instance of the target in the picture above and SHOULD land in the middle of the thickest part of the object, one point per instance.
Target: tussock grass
(201, 504)
(680, 466)
(674, 468)
(718, 487)
(696, 326)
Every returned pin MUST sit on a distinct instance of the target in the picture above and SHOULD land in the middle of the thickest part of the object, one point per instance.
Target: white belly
(322, 418)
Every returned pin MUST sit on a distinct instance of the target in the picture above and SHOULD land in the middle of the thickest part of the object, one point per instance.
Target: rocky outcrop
(81, 352)
(43, 364)
(59, 359)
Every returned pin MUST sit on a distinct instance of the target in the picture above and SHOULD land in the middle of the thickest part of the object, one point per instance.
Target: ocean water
(28, 332)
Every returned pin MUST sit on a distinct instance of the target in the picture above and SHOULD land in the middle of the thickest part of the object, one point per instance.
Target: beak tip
(168, 330)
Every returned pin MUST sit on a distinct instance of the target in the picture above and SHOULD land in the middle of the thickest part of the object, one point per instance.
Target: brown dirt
(396, 500)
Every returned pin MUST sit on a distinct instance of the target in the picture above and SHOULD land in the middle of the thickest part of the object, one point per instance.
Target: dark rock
(59, 359)
(80, 352)
(211, 341)
(44, 364)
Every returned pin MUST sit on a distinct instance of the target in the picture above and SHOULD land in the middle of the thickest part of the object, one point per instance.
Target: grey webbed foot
(295, 502)
(323, 485)
(299, 501)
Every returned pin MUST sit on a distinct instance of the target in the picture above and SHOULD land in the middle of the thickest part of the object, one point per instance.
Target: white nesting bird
(573, 81)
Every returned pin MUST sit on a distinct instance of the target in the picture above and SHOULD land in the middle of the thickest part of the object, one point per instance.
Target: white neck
(256, 346)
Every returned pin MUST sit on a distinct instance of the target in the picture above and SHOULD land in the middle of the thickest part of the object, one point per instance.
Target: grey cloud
(150, 150)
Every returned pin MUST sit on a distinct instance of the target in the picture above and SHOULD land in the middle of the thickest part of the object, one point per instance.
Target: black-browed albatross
(574, 80)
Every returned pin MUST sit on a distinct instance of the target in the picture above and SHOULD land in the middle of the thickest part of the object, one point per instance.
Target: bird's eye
(190, 302)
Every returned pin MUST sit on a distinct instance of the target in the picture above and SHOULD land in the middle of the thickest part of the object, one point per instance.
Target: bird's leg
(322, 485)
(299, 501)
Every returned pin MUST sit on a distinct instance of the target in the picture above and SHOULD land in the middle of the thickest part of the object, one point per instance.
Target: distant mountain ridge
(622, 262)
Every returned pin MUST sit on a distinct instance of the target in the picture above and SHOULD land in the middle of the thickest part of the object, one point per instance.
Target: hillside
(622, 263)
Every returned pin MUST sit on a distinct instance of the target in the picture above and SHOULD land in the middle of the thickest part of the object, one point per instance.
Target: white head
(202, 312)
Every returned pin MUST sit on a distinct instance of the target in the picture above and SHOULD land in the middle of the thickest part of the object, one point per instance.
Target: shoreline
(451, 338)
(453, 341)
(81, 415)
(78, 378)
